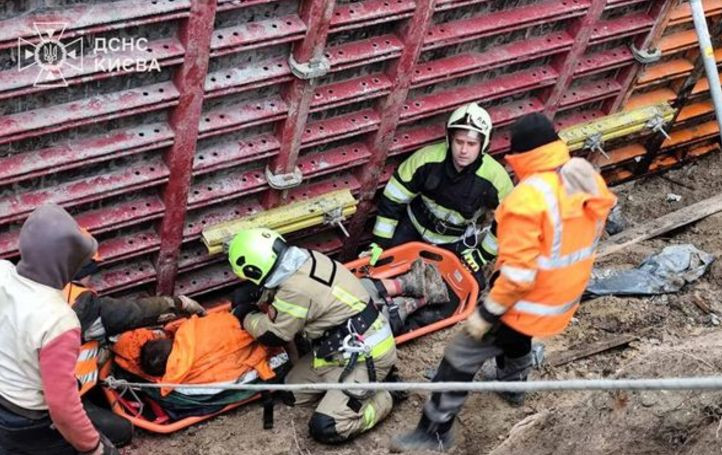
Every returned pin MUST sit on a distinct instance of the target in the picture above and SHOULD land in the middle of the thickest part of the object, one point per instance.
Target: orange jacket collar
(545, 158)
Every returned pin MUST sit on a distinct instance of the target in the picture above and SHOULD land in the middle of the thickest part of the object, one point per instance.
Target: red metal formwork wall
(146, 160)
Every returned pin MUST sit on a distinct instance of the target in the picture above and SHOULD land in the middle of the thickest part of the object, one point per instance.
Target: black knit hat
(531, 131)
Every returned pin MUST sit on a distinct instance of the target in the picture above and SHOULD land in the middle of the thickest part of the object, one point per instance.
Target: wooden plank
(595, 348)
(658, 226)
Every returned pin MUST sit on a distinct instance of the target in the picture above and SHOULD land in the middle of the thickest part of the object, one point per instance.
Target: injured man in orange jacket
(201, 350)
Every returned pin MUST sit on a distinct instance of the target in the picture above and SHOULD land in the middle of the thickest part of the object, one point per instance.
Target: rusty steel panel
(229, 154)
(464, 64)
(17, 83)
(27, 124)
(195, 34)
(370, 12)
(567, 64)
(92, 18)
(24, 166)
(505, 85)
(347, 129)
(502, 22)
(257, 34)
(18, 206)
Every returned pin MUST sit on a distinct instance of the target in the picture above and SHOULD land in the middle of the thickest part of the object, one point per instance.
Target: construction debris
(661, 225)
(667, 271)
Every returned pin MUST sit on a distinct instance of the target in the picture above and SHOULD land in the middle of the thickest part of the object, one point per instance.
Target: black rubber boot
(427, 436)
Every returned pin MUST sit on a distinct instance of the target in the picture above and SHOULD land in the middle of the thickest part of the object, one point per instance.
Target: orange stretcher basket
(122, 406)
(394, 261)
(397, 260)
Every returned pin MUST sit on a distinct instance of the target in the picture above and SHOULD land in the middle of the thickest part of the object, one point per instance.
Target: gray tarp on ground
(667, 271)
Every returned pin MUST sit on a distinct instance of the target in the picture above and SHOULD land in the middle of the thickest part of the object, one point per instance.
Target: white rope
(691, 383)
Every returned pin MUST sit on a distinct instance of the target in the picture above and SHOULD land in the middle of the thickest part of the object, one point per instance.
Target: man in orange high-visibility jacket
(548, 229)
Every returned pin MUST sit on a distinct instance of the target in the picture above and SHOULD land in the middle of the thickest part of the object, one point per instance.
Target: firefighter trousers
(339, 417)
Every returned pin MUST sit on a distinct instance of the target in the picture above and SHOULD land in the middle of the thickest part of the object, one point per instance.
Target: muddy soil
(678, 339)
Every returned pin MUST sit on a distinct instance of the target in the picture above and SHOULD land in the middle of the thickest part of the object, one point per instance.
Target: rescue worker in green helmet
(312, 294)
(441, 193)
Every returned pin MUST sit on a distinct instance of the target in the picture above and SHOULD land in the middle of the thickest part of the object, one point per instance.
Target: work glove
(476, 326)
(105, 447)
(374, 252)
(244, 309)
(188, 306)
(473, 259)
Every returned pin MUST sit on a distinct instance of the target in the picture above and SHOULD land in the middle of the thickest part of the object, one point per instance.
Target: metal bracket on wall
(284, 181)
(656, 124)
(335, 217)
(645, 57)
(311, 70)
(594, 143)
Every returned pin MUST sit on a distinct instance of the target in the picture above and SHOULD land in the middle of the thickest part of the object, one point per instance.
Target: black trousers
(20, 435)
(406, 232)
(463, 358)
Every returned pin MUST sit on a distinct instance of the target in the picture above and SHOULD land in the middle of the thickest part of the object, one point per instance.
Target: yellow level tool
(330, 208)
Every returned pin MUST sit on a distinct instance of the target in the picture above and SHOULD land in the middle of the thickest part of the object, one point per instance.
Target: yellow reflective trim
(385, 227)
(369, 416)
(429, 235)
(348, 298)
(297, 311)
(377, 351)
(398, 192)
(443, 213)
(383, 347)
(489, 244)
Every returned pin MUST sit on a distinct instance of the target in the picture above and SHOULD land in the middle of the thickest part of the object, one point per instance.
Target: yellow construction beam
(616, 125)
(325, 209)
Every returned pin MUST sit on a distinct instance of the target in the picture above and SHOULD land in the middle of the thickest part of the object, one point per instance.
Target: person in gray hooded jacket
(40, 407)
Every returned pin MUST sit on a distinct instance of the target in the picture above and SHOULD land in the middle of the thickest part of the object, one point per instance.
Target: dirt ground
(678, 340)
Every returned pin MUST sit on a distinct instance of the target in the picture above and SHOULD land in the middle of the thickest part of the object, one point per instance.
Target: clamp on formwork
(592, 135)
(331, 208)
(645, 57)
(336, 217)
(313, 69)
(656, 124)
(595, 144)
(284, 181)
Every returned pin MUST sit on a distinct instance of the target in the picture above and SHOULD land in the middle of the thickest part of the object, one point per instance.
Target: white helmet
(471, 117)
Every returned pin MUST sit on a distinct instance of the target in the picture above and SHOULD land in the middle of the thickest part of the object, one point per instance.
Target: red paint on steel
(317, 15)
(73, 154)
(566, 65)
(195, 34)
(460, 65)
(496, 23)
(83, 20)
(621, 27)
(252, 35)
(18, 206)
(505, 85)
(96, 109)
(661, 11)
(391, 108)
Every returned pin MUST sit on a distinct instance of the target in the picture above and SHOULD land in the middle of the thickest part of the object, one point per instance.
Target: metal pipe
(707, 52)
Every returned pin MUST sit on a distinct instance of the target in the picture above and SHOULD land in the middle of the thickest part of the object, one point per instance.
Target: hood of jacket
(52, 247)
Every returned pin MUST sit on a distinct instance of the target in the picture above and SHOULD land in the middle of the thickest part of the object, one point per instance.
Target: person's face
(465, 148)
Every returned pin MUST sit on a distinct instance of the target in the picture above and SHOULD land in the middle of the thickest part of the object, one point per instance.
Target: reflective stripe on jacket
(548, 230)
(449, 198)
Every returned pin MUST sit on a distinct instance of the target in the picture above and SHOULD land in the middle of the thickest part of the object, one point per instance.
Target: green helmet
(470, 117)
(254, 253)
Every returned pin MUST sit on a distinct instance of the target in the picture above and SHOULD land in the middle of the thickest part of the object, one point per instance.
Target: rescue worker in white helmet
(441, 193)
(351, 341)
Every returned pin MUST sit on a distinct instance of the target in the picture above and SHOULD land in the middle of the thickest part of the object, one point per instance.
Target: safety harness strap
(332, 340)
